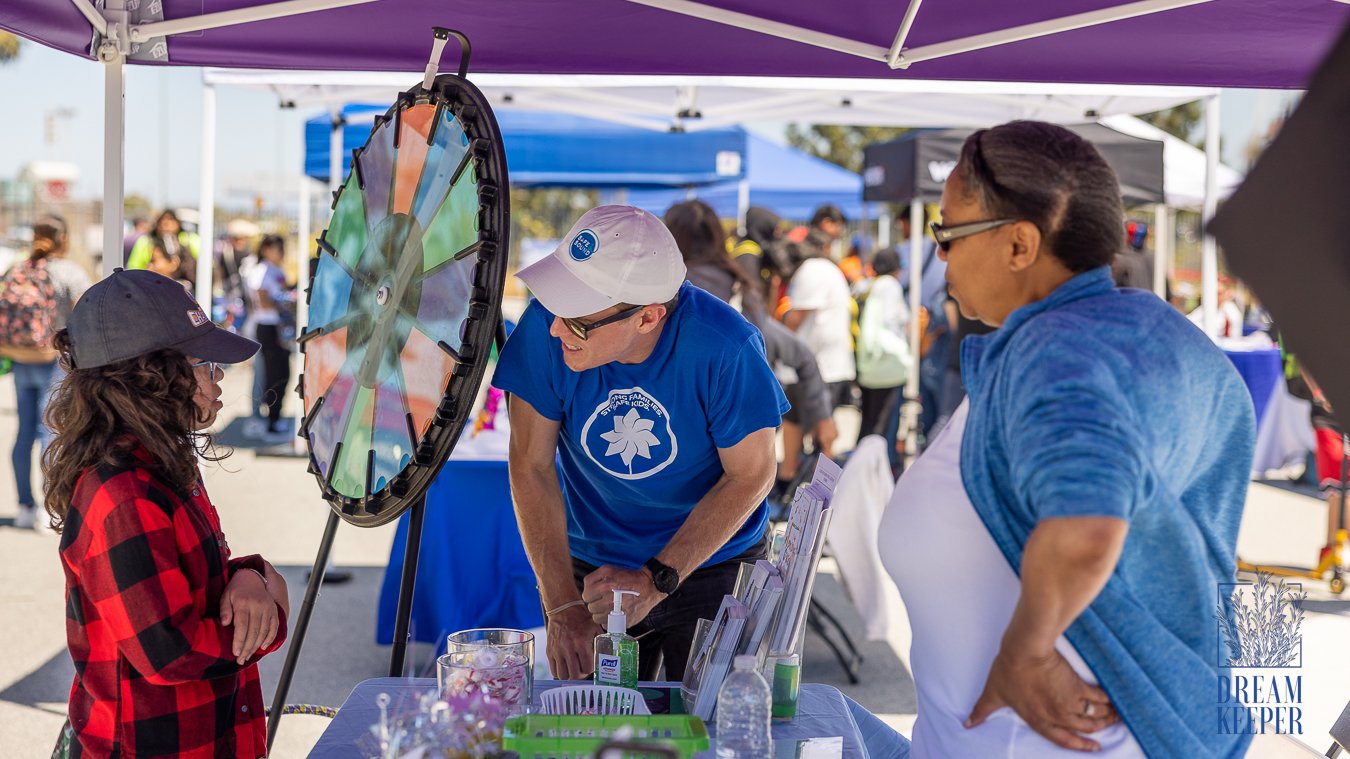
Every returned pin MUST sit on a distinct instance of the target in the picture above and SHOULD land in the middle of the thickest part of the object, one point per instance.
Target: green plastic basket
(572, 736)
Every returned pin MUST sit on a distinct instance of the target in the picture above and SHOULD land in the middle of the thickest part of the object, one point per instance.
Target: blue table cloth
(472, 571)
(1261, 370)
(822, 711)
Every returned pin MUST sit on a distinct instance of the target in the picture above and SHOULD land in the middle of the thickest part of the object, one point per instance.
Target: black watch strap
(665, 578)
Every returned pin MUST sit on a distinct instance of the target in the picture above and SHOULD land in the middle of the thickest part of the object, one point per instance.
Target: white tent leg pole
(304, 248)
(206, 228)
(884, 227)
(909, 418)
(1162, 250)
(742, 205)
(1209, 264)
(114, 141)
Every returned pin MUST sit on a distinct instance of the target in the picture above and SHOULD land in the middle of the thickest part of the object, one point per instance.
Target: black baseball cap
(132, 313)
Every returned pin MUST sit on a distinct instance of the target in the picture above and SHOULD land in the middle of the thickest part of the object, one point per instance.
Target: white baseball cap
(612, 255)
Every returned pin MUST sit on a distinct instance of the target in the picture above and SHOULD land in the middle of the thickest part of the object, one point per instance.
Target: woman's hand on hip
(1045, 691)
(571, 643)
(249, 607)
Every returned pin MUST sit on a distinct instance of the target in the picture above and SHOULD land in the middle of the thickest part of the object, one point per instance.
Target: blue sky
(258, 144)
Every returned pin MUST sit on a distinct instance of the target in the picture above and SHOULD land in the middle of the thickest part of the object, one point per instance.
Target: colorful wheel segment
(405, 301)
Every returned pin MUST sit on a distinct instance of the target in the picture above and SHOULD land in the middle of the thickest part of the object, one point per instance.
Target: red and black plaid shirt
(154, 675)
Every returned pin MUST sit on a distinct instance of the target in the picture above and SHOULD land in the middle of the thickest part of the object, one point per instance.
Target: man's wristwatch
(665, 578)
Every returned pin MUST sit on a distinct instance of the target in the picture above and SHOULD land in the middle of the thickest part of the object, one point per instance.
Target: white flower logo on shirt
(632, 437)
(629, 435)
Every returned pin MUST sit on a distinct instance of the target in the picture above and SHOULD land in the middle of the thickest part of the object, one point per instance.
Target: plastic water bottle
(743, 714)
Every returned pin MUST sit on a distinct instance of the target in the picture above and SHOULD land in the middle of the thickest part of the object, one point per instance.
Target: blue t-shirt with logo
(638, 442)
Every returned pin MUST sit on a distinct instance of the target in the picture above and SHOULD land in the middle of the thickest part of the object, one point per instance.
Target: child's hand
(276, 585)
(248, 606)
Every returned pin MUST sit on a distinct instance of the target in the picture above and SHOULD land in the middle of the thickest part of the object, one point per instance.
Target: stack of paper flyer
(808, 525)
(761, 595)
(768, 609)
(709, 667)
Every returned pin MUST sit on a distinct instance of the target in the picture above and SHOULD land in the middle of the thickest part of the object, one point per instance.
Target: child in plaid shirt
(164, 626)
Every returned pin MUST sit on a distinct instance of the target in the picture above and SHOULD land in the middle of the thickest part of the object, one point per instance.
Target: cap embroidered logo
(197, 316)
(584, 245)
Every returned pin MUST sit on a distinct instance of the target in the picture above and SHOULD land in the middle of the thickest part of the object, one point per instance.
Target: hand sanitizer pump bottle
(616, 652)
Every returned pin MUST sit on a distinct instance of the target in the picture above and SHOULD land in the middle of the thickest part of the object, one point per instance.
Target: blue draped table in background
(1261, 370)
(472, 571)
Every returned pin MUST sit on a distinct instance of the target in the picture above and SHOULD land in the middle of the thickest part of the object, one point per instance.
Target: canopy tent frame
(896, 56)
(115, 35)
(691, 103)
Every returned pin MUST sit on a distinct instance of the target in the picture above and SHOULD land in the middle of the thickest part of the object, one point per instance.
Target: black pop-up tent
(915, 165)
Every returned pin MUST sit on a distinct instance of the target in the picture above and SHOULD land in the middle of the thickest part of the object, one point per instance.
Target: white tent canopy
(707, 102)
(1183, 164)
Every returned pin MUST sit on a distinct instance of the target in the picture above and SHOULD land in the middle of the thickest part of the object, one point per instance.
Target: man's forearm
(542, 517)
(717, 517)
(1066, 562)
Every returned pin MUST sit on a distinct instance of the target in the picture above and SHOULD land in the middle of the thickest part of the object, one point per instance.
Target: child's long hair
(97, 417)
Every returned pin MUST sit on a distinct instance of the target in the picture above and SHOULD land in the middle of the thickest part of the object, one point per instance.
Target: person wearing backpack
(36, 298)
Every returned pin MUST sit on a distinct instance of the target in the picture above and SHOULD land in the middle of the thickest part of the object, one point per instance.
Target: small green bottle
(616, 652)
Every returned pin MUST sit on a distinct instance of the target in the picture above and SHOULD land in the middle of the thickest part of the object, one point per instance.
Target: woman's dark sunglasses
(582, 330)
(945, 236)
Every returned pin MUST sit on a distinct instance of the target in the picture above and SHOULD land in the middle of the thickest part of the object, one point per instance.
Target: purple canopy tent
(1231, 43)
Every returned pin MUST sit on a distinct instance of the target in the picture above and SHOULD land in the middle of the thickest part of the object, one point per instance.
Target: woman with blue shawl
(1088, 492)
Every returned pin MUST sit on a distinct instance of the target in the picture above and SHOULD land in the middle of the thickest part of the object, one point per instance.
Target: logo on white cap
(584, 245)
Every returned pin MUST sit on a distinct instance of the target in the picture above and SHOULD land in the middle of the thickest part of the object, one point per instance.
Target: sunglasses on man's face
(582, 329)
(945, 236)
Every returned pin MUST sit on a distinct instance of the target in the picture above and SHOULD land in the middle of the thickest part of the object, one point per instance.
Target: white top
(264, 276)
(820, 288)
(1229, 323)
(931, 530)
(890, 296)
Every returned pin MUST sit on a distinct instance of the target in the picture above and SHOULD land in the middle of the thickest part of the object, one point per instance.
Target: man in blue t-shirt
(657, 405)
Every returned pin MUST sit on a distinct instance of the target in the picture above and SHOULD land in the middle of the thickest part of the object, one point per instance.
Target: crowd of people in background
(255, 298)
(834, 311)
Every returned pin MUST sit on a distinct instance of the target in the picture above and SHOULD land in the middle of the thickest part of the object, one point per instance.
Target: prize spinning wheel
(403, 308)
(405, 301)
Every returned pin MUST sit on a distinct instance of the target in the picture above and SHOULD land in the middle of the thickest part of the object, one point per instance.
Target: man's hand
(250, 609)
(571, 644)
(1045, 691)
(276, 586)
(600, 601)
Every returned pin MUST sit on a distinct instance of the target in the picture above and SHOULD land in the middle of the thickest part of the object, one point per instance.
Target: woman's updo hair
(1054, 179)
(49, 236)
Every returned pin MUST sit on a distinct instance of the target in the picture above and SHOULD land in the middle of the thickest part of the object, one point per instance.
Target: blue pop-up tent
(787, 181)
(559, 150)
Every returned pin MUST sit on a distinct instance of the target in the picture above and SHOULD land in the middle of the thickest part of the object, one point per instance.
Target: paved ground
(270, 506)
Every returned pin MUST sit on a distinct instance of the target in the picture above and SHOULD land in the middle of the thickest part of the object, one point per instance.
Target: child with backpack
(36, 298)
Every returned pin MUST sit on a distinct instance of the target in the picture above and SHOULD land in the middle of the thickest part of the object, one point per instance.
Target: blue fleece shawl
(1099, 401)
